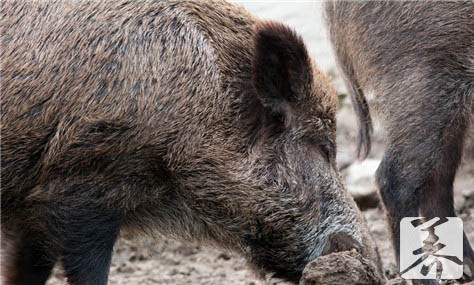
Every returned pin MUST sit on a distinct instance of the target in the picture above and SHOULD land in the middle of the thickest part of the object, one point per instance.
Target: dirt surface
(172, 262)
(340, 268)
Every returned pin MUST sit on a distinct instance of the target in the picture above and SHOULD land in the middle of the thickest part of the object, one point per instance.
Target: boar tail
(333, 14)
(361, 108)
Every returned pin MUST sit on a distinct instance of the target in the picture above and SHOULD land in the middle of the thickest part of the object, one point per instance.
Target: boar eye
(328, 149)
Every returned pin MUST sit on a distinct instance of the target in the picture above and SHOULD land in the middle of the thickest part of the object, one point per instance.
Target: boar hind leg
(400, 193)
(28, 263)
(437, 200)
(417, 173)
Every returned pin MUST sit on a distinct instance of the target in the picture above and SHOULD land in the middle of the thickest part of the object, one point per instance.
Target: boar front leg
(79, 225)
(26, 262)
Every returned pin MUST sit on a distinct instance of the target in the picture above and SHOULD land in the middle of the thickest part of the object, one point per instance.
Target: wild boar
(416, 59)
(186, 119)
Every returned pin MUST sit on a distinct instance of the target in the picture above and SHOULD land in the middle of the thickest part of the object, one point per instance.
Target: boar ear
(281, 67)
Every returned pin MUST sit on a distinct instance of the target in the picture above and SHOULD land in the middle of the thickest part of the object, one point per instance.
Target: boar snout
(341, 242)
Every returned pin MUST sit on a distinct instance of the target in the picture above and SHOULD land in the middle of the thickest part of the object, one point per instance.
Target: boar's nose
(340, 242)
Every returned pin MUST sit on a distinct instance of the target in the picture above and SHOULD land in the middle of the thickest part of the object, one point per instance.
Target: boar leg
(91, 266)
(417, 172)
(88, 247)
(400, 197)
(82, 227)
(437, 199)
(29, 263)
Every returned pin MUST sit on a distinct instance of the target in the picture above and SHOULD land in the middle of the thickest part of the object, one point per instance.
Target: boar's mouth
(341, 242)
(276, 258)
(275, 263)
(274, 272)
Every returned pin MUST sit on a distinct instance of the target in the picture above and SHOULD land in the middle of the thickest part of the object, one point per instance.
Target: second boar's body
(416, 60)
(191, 119)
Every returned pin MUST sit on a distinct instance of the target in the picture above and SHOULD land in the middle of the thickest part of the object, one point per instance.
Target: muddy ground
(172, 262)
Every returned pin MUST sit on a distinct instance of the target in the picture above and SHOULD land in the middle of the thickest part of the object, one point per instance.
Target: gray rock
(398, 281)
(464, 194)
(360, 181)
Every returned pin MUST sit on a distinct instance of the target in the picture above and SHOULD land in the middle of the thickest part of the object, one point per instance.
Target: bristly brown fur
(417, 60)
(144, 116)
